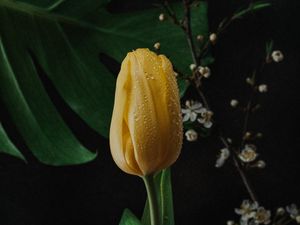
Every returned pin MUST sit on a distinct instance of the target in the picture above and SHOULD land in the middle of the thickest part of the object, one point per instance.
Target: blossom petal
(186, 117)
(196, 105)
(193, 116)
(208, 124)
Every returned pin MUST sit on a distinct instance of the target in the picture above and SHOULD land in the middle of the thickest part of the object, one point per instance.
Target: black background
(97, 193)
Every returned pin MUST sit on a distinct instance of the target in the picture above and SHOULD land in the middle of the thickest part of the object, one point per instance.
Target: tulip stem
(152, 199)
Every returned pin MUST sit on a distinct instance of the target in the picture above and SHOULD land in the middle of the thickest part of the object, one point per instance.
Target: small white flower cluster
(294, 212)
(248, 155)
(203, 70)
(262, 88)
(195, 111)
(252, 214)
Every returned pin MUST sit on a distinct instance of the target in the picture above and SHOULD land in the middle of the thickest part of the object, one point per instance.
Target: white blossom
(248, 153)
(234, 103)
(249, 80)
(297, 219)
(230, 222)
(204, 71)
(213, 38)
(191, 111)
(262, 88)
(191, 135)
(192, 67)
(280, 211)
(293, 211)
(277, 56)
(261, 164)
(262, 216)
(200, 38)
(157, 46)
(205, 117)
(223, 156)
(247, 135)
(247, 211)
(161, 17)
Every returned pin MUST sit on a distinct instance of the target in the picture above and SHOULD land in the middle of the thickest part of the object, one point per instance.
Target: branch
(188, 30)
(241, 171)
(186, 26)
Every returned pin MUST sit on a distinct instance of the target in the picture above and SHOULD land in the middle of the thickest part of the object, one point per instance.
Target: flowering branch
(203, 97)
(244, 154)
(241, 172)
(195, 80)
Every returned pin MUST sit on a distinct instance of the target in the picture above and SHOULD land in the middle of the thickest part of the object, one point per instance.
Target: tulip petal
(146, 128)
(120, 140)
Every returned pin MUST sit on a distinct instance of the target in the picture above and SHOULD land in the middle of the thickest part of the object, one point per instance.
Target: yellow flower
(146, 127)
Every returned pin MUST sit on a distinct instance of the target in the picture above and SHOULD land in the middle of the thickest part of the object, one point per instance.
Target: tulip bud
(146, 127)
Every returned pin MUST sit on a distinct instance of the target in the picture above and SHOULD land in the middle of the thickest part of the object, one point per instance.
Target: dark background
(97, 193)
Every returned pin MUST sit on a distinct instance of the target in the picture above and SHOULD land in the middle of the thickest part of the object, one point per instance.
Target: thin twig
(185, 25)
(202, 96)
(188, 30)
(171, 13)
(255, 79)
(221, 28)
(247, 116)
(241, 172)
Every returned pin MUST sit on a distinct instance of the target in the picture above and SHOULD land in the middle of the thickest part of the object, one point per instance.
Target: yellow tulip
(146, 126)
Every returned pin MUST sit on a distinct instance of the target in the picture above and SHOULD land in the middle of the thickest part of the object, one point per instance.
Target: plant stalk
(152, 199)
(241, 173)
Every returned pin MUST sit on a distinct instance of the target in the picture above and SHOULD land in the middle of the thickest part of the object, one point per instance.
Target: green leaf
(183, 84)
(255, 6)
(165, 199)
(6, 146)
(64, 40)
(128, 218)
(34, 114)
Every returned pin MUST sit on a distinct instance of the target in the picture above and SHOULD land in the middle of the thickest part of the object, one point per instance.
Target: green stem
(152, 199)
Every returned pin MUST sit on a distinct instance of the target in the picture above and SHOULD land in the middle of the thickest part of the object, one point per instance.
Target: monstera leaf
(61, 41)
